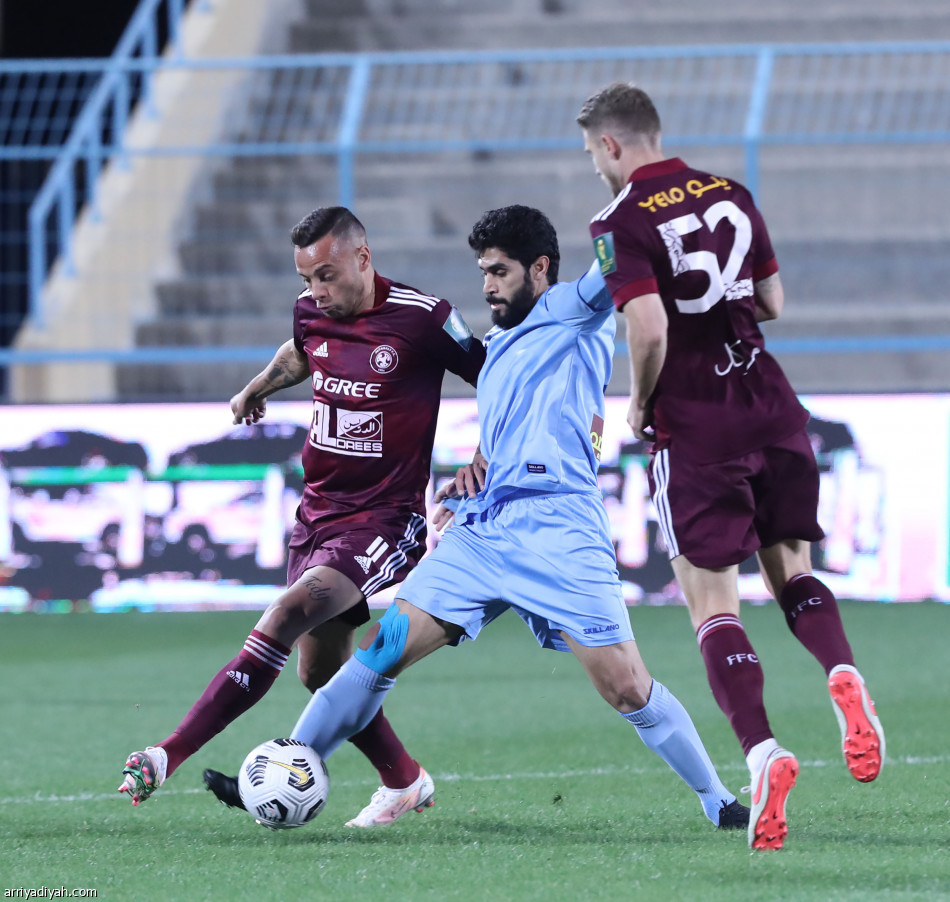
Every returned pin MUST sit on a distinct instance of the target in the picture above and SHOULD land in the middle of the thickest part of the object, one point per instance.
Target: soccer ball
(283, 783)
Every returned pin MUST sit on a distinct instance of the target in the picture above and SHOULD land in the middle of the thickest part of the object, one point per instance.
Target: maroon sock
(812, 615)
(379, 742)
(735, 677)
(238, 686)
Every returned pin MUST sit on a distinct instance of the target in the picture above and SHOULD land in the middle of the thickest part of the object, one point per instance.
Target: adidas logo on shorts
(363, 561)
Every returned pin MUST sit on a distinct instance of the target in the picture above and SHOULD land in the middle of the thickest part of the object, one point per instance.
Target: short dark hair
(325, 221)
(522, 233)
(623, 106)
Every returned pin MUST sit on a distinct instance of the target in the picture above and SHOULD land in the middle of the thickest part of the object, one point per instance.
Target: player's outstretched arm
(289, 367)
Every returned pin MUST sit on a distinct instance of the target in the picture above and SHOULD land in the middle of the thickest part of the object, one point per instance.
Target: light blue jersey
(541, 395)
(536, 539)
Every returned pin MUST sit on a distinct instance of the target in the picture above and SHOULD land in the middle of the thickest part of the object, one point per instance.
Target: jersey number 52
(722, 282)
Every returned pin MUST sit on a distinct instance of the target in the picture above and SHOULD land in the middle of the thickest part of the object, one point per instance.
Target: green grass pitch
(542, 792)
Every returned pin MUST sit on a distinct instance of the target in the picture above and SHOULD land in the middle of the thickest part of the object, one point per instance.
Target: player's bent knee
(384, 651)
(626, 701)
(625, 693)
(285, 620)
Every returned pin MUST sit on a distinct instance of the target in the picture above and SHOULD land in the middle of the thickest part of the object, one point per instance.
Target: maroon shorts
(719, 514)
(373, 554)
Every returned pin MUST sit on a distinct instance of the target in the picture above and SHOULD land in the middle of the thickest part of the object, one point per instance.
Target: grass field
(542, 792)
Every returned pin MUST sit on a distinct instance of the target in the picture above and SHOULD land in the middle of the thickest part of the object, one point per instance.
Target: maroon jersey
(377, 381)
(699, 241)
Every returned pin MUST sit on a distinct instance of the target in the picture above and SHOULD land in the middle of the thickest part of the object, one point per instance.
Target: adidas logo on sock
(321, 351)
(363, 561)
(242, 679)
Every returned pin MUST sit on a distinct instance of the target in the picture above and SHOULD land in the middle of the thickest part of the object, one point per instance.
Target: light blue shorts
(548, 557)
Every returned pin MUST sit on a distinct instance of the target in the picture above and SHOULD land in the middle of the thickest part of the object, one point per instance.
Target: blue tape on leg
(387, 648)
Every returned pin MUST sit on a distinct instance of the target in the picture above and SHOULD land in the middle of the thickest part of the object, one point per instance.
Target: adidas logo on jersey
(363, 561)
(242, 679)
(321, 351)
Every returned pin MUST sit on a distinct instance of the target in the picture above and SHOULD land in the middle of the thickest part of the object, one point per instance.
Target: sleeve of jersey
(581, 304)
(624, 263)
(592, 289)
(456, 346)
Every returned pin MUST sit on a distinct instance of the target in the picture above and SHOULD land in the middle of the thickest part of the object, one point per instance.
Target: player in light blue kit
(535, 537)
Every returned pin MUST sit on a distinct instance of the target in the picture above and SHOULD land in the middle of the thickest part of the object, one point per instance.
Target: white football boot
(388, 805)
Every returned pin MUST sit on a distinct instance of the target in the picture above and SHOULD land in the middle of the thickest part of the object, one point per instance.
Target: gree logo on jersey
(357, 433)
(346, 387)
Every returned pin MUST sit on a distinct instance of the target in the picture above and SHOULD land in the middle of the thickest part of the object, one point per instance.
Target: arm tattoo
(280, 377)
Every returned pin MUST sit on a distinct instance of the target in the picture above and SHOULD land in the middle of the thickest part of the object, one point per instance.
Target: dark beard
(515, 310)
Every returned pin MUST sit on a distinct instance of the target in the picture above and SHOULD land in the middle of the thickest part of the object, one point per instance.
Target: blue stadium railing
(768, 95)
(52, 112)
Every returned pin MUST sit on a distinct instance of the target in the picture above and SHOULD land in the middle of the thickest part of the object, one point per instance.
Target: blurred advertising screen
(171, 507)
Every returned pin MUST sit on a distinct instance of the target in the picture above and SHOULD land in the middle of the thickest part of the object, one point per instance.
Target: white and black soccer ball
(283, 783)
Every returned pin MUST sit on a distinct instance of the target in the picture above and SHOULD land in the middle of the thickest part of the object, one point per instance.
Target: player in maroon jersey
(688, 260)
(375, 352)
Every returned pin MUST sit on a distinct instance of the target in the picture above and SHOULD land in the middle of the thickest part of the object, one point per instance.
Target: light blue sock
(666, 728)
(342, 708)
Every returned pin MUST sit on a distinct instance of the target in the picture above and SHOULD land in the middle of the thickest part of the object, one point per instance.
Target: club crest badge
(384, 359)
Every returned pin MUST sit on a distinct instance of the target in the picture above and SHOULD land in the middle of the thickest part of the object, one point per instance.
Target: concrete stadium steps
(418, 24)
(846, 370)
(859, 230)
(819, 206)
(918, 371)
(827, 317)
(256, 177)
(807, 190)
(881, 370)
(222, 294)
(824, 190)
(869, 193)
(195, 382)
(235, 254)
(873, 275)
(235, 329)
(845, 373)
(418, 241)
